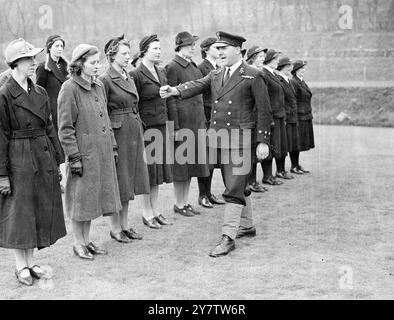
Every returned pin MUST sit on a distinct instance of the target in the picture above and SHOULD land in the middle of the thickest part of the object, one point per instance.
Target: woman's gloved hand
(5, 187)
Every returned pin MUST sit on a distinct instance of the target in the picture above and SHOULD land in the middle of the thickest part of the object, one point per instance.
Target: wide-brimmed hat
(82, 49)
(253, 51)
(184, 38)
(225, 39)
(18, 49)
(298, 64)
(285, 61)
(271, 55)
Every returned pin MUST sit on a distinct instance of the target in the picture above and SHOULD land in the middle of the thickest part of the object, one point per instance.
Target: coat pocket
(86, 145)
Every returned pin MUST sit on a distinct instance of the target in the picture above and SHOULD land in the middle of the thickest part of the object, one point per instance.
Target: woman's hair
(75, 68)
(252, 59)
(203, 53)
(143, 52)
(115, 49)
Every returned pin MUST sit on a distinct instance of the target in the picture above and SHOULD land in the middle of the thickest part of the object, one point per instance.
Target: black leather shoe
(120, 237)
(132, 234)
(192, 210)
(302, 169)
(95, 249)
(204, 201)
(272, 181)
(151, 223)
(215, 200)
(256, 187)
(37, 274)
(163, 220)
(246, 232)
(296, 170)
(27, 281)
(82, 252)
(183, 211)
(225, 246)
(284, 175)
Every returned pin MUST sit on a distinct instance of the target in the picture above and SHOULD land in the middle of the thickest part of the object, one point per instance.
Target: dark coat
(242, 103)
(206, 67)
(276, 94)
(304, 98)
(190, 115)
(51, 78)
(122, 103)
(154, 110)
(290, 101)
(32, 216)
(85, 130)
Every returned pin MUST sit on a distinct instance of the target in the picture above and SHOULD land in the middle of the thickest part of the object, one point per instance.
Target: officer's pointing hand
(167, 91)
(262, 151)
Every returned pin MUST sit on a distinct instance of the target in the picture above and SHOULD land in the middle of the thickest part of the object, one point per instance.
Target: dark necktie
(226, 76)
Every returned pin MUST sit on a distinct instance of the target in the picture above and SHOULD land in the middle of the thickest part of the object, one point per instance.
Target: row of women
(96, 125)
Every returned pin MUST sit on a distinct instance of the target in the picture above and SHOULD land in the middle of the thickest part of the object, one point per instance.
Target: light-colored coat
(85, 129)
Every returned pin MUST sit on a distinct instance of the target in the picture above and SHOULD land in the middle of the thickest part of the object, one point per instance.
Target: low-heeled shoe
(183, 211)
(215, 200)
(27, 281)
(296, 170)
(303, 170)
(95, 249)
(120, 237)
(225, 246)
(151, 223)
(192, 210)
(132, 234)
(204, 201)
(37, 275)
(82, 252)
(163, 220)
(246, 232)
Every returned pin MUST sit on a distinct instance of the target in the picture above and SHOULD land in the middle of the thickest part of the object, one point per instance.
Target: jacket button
(261, 131)
(228, 124)
(214, 122)
(214, 111)
(216, 101)
(185, 87)
(101, 114)
(229, 113)
(230, 102)
(97, 99)
(104, 129)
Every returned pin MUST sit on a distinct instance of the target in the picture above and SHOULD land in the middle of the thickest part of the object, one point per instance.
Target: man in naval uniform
(241, 109)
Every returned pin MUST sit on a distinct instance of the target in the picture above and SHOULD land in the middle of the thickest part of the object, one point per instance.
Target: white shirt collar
(234, 67)
(284, 77)
(213, 62)
(269, 69)
(301, 78)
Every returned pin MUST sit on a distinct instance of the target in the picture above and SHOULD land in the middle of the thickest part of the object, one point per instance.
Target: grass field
(311, 231)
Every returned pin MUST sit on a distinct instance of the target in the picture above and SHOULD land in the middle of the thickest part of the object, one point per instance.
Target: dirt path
(311, 231)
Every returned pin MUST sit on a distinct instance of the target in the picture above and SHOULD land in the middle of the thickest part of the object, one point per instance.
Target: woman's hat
(80, 50)
(271, 55)
(184, 39)
(298, 64)
(206, 44)
(285, 61)
(146, 41)
(18, 49)
(52, 39)
(253, 51)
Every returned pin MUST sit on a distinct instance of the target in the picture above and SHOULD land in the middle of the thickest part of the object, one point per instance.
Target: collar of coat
(149, 74)
(126, 85)
(33, 102)
(84, 83)
(51, 66)
(184, 63)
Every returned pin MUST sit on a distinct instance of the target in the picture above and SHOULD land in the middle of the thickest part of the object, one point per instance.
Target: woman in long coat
(122, 104)
(284, 69)
(304, 110)
(31, 213)
(52, 73)
(190, 116)
(155, 113)
(88, 141)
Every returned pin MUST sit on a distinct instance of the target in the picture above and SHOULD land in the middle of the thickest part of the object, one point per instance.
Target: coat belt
(123, 111)
(28, 133)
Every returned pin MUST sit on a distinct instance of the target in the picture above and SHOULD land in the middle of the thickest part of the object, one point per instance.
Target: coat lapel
(127, 85)
(51, 65)
(33, 102)
(234, 80)
(217, 80)
(148, 74)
